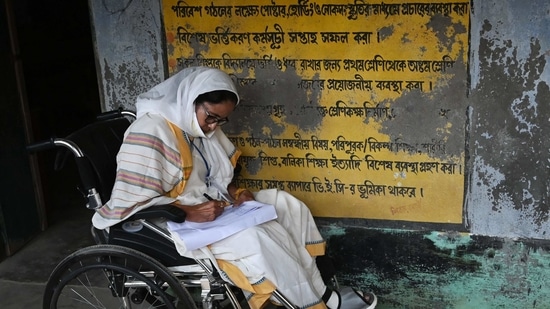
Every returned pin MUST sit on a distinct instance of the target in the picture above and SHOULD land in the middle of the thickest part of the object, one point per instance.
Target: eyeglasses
(211, 119)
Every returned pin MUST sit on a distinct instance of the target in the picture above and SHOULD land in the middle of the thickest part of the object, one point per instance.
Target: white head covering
(173, 98)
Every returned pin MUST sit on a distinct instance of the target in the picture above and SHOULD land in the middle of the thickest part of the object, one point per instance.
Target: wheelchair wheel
(107, 276)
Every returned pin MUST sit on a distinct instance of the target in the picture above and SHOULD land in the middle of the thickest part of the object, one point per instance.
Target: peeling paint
(128, 42)
(447, 104)
(126, 80)
(276, 95)
(511, 106)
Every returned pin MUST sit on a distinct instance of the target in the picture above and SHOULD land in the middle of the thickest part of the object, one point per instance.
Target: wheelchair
(135, 263)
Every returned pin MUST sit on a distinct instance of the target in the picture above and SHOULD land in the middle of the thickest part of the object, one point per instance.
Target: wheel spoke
(84, 300)
(88, 287)
(106, 276)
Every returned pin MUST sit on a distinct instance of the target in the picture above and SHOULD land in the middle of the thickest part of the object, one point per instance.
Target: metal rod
(283, 300)
(69, 145)
(157, 229)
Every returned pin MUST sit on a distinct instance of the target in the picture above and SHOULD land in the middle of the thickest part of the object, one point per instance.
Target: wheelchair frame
(133, 276)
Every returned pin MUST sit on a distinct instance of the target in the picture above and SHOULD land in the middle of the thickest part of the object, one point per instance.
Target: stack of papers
(234, 219)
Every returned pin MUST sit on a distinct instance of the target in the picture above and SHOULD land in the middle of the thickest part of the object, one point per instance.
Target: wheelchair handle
(39, 146)
(116, 114)
(55, 142)
(84, 168)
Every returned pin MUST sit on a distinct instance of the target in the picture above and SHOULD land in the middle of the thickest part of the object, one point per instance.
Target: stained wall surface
(487, 114)
(509, 187)
(129, 49)
(491, 109)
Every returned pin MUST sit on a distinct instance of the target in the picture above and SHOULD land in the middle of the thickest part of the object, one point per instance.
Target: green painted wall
(423, 269)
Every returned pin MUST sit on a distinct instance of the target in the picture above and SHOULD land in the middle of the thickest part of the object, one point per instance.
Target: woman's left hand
(243, 197)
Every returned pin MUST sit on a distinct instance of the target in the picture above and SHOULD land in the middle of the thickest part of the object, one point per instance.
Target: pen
(208, 197)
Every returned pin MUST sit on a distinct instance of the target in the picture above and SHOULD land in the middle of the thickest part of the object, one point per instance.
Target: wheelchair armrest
(169, 212)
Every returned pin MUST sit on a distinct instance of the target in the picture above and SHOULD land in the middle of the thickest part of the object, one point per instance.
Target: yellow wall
(347, 90)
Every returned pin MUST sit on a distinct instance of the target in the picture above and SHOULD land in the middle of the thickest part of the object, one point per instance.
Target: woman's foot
(369, 298)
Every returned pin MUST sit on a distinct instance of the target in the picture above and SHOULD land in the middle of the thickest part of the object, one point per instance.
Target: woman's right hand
(205, 212)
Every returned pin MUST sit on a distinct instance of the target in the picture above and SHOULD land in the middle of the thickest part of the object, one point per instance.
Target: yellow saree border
(186, 160)
(261, 291)
(316, 249)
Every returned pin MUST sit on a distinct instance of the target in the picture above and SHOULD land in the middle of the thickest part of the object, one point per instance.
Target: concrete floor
(23, 275)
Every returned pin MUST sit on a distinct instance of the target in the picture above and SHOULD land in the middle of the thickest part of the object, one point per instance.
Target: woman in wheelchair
(175, 152)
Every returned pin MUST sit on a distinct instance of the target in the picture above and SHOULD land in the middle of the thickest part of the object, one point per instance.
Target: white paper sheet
(234, 219)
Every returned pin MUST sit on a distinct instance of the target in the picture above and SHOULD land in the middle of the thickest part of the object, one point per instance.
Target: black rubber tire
(91, 273)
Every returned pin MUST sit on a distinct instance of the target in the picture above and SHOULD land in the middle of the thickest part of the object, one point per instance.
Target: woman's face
(212, 115)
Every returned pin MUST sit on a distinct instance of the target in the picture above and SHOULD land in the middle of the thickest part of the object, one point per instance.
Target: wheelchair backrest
(99, 142)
